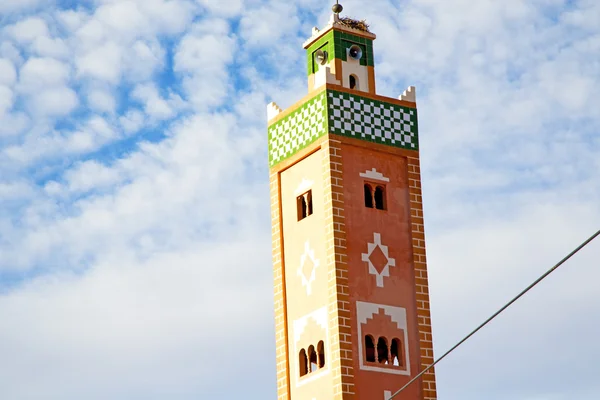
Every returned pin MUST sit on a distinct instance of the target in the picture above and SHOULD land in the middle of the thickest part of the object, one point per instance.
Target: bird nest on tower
(355, 24)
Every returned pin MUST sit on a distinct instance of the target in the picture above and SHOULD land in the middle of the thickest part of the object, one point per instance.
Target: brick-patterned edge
(421, 280)
(281, 335)
(337, 271)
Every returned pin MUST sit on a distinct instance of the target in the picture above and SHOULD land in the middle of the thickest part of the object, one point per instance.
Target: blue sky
(135, 250)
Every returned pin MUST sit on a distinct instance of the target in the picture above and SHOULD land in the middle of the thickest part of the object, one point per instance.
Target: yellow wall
(307, 311)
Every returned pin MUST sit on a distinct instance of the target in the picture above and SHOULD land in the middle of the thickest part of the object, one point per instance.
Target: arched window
(380, 198)
(303, 363)
(370, 348)
(353, 82)
(396, 353)
(312, 358)
(382, 350)
(321, 351)
(368, 196)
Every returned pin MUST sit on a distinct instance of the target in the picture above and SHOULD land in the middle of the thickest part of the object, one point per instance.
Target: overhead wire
(561, 262)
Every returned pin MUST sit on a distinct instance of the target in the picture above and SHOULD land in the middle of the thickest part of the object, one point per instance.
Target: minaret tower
(351, 292)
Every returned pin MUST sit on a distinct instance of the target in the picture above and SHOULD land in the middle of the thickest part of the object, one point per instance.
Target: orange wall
(394, 227)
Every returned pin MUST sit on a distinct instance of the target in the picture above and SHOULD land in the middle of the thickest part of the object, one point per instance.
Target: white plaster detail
(319, 316)
(334, 19)
(324, 75)
(391, 262)
(309, 254)
(409, 94)
(373, 174)
(303, 187)
(386, 395)
(364, 311)
(353, 67)
(272, 110)
(299, 326)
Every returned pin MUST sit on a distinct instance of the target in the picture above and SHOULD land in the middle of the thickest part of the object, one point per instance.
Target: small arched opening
(303, 366)
(370, 348)
(321, 351)
(396, 353)
(379, 198)
(312, 358)
(368, 196)
(353, 82)
(382, 350)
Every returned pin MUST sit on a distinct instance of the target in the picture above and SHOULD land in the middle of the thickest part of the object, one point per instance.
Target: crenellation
(409, 94)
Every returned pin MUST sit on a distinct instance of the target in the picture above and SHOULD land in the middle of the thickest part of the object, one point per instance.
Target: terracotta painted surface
(393, 229)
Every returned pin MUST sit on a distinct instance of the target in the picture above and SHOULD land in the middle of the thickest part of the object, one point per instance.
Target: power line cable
(581, 246)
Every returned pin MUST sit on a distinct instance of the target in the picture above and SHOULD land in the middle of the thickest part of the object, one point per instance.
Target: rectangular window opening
(304, 205)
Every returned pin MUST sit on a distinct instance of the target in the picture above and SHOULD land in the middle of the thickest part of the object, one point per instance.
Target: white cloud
(202, 57)
(6, 100)
(8, 73)
(28, 29)
(72, 19)
(155, 106)
(266, 25)
(101, 100)
(84, 331)
(48, 47)
(13, 124)
(13, 6)
(132, 121)
(143, 59)
(124, 18)
(10, 52)
(221, 8)
(38, 73)
(90, 175)
(57, 101)
(102, 63)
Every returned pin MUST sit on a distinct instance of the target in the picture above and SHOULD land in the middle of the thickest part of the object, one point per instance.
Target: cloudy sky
(135, 252)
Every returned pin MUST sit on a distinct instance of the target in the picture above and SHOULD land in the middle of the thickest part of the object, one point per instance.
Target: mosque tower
(352, 312)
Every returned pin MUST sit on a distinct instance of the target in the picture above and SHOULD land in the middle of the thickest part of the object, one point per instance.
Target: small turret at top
(341, 54)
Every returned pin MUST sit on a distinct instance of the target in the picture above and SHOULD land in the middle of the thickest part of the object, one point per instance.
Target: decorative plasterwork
(390, 262)
(364, 311)
(303, 187)
(373, 174)
(320, 317)
(308, 257)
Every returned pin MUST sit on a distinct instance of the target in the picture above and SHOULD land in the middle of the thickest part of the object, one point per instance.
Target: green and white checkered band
(297, 130)
(343, 114)
(375, 121)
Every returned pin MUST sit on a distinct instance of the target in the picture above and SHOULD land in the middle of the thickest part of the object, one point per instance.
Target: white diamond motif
(385, 271)
(308, 254)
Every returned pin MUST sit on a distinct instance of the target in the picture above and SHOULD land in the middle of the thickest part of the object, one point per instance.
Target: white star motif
(308, 254)
(385, 271)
